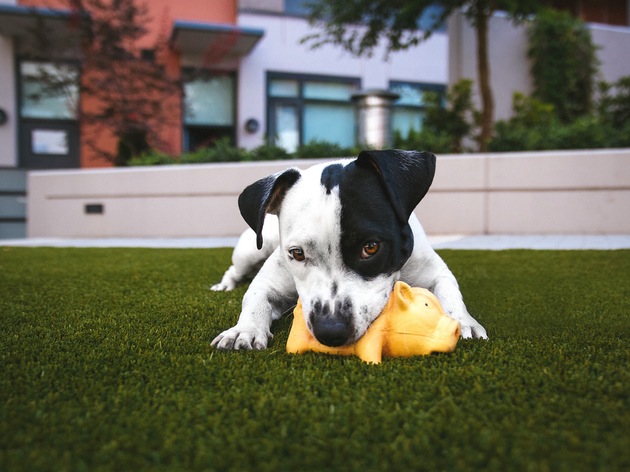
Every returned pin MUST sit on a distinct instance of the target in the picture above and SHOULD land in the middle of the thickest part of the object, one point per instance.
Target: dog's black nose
(332, 332)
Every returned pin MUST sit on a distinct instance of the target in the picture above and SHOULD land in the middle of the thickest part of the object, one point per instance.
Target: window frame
(300, 101)
(22, 92)
(189, 74)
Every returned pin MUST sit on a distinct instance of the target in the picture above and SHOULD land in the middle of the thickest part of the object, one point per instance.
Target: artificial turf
(106, 364)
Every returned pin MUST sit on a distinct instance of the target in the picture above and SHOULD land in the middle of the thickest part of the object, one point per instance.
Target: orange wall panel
(162, 14)
(214, 11)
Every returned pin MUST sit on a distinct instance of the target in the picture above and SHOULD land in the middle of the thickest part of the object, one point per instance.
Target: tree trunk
(483, 69)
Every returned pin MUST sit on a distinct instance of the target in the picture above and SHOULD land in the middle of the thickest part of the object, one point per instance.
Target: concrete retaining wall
(577, 192)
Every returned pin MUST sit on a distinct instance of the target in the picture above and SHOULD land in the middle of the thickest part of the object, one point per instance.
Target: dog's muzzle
(332, 328)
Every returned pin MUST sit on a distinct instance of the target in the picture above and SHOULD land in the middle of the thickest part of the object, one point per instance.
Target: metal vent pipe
(374, 117)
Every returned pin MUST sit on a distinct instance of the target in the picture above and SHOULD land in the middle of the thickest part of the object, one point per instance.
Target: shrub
(445, 127)
(527, 129)
(564, 63)
(457, 119)
(222, 151)
(151, 158)
(424, 140)
(320, 148)
(614, 102)
(268, 152)
(586, 132)
(562, 112)
(535, 126)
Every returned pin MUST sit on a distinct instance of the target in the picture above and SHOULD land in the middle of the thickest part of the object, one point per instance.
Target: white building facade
(297, 94)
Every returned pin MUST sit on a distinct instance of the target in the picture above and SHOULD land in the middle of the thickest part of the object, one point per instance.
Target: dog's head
(344, 233)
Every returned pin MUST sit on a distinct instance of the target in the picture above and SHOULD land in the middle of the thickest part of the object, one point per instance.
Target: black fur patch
(265, 196)
(367, 215)
(331, 176)
(378, 193)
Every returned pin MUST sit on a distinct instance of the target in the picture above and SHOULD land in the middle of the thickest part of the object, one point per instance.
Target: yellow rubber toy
(412, 323)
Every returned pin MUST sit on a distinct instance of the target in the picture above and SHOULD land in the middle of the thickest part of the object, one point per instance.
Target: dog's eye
(297, 253)
(369, 249)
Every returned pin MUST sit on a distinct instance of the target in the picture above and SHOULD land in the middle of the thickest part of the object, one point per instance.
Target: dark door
(49, 144)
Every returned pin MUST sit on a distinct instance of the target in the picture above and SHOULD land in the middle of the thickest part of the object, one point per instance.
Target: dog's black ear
(406, 176)
(265, 196)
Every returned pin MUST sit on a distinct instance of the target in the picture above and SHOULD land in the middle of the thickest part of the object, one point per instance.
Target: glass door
(49, 144)
(48, 128)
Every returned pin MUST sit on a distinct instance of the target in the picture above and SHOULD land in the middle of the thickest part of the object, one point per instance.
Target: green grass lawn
(106, 364)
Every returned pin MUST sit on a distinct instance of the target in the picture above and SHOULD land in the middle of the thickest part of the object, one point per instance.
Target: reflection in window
(332, 123)
(408, 112)
(210, 101)
(287, 127)
(209, 109)
(296, 7)
(306, 108)
(430, 18)
(328, 90)
(49, 90)
(284, 88)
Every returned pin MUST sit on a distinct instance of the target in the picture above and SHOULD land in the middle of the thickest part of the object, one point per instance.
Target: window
(430, 17)
(46, 141)
(296, 7)
(209, 109)
(302, 109)
(49, 90)
(408, 111)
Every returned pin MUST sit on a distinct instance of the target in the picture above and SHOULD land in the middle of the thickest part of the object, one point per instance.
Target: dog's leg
(246, 259)
(270, 294)
(446, 289)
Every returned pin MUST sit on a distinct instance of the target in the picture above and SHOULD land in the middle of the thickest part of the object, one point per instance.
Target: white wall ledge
(563, 192)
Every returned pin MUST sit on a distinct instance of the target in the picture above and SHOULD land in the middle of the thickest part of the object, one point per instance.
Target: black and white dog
(345, 232)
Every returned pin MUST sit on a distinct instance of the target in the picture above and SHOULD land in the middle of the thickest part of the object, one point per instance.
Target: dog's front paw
(222, 287)
(238, 338)
(229, 281)
(471, 329)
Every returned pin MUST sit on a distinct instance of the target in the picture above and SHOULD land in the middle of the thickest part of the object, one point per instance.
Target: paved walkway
(493, 242)
(498, 242)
